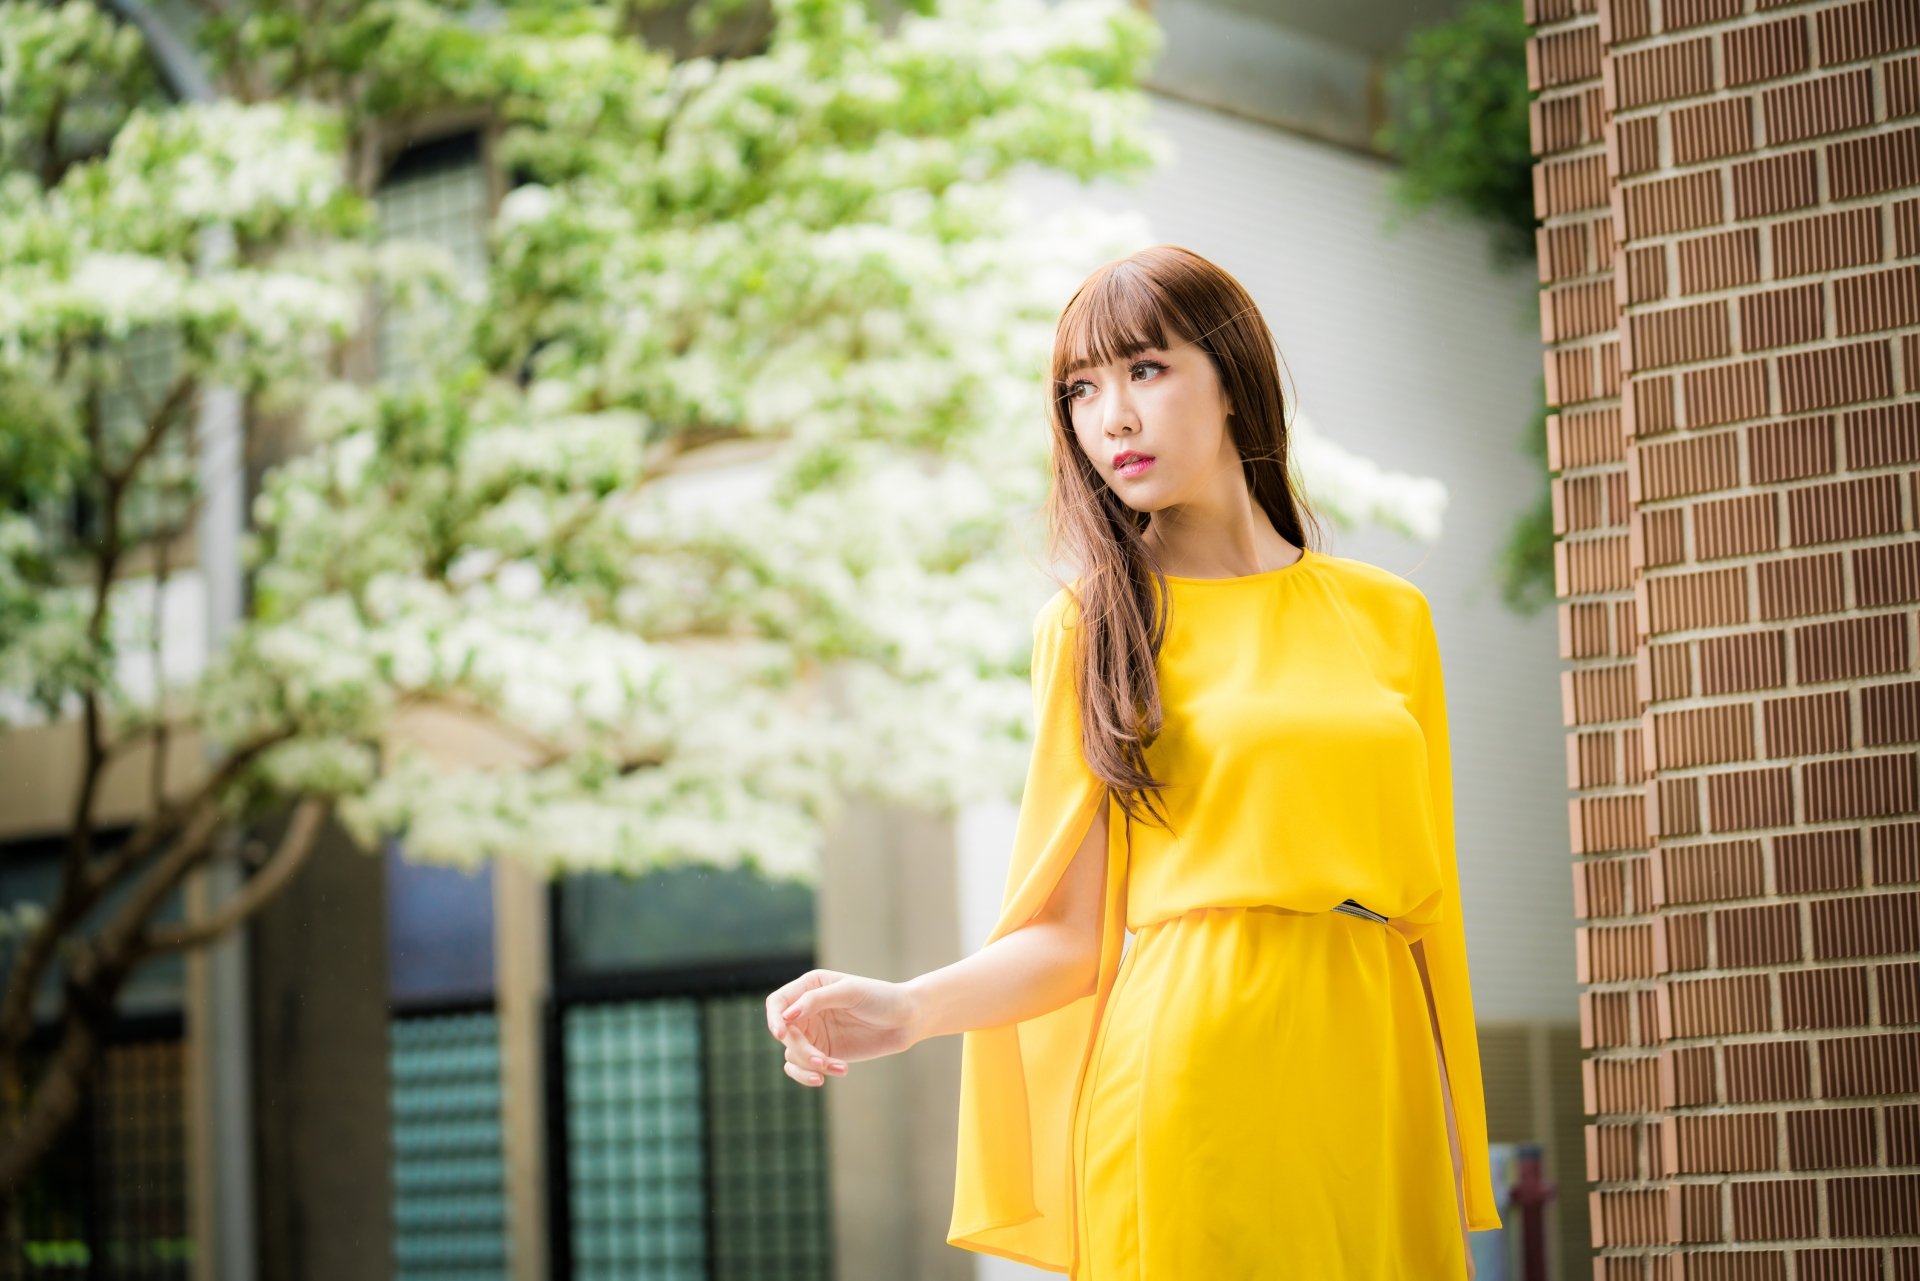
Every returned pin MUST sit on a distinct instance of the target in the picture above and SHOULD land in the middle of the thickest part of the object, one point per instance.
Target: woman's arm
(1031, 970)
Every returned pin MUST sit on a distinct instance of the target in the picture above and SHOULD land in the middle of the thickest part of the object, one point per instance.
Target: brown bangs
(1116, 314)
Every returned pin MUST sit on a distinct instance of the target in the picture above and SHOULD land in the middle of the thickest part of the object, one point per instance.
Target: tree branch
(61, 1090)
(51, 170)
(296, 844)
(78, 898)
(158, 419)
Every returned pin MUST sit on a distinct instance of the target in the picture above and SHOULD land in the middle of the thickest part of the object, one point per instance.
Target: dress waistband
(1351, 907)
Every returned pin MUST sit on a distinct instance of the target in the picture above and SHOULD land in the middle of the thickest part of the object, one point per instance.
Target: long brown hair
(1159, 296)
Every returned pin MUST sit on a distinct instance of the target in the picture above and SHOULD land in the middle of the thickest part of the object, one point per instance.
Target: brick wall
(1729, 252)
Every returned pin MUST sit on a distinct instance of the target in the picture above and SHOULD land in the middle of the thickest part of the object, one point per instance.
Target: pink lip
(1133, 464)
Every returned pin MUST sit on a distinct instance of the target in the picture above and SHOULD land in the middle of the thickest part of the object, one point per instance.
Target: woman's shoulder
(1059, 610)
(1378, 590)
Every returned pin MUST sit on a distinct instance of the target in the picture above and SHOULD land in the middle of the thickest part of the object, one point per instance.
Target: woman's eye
(1137, 365)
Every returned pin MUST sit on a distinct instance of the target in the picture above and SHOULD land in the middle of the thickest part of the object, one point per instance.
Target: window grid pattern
(110, 1201)
(635, 1141)
(768, 1152)
(129, 400)
(445, 205)
(140, 1146)
(449, 1159)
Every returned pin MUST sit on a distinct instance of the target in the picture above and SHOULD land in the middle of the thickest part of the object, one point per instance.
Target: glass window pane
(634, 1135)
(449, 1157)
(680, 916)
(770, 1189)
(439, 930)
(30, 874)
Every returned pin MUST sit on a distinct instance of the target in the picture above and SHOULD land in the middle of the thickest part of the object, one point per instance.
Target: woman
(1241, 755)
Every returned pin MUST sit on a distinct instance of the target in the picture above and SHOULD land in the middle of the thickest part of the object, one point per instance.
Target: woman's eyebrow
(1131, 353)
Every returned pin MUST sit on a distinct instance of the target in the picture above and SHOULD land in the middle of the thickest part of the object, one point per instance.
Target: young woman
(1241, 755)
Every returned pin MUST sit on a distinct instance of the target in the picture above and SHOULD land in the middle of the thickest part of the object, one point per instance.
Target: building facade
(1731, 200)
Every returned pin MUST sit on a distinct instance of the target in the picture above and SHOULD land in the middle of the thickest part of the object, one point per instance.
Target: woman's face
(1154, 425)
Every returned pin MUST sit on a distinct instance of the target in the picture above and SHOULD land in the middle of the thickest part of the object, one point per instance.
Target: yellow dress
(1253, 1089)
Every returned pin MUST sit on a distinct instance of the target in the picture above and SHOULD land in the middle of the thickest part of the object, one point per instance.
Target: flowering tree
(805, 259)
(701, 504)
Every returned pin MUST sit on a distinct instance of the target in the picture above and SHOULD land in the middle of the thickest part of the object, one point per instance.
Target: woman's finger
(828, 994)
(803, 1076)
(783, 996)
(804, 1052)
(812, 1060)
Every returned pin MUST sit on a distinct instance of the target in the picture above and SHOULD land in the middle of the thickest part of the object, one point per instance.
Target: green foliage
(1457, 122)
(1526, 563)
(1457, 126)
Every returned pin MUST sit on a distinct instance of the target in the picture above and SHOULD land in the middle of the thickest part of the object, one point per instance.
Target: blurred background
(520, 536)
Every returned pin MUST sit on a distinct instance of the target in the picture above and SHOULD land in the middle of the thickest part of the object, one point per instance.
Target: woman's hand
(837, 1019)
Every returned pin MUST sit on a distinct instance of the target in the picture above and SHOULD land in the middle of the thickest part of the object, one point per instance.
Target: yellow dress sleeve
(1445, 942)
(1012, 1194)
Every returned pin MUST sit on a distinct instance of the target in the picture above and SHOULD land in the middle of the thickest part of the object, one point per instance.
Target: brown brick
(1830, 1138)
(1871, 924)
(1763, 934)
(1726, 393)
(1586, 438)
(1902, 78)
(1663, 73)
(1791, 450)
(1850, 32)
(1712, 130)
(1775, 1209)
(1782, 317)
(1679, 15)
(1765, 50)
(1876, 300)
(1738, 1142)
(1665, 205)
(1564, 57)
(1801, 587)
(1814, 108)
(1896, 853)
(1899, 992)
(1832, 996)
(1715, 870)
(1693, 466)
(1741, 663)
(1806, 725)
(1703, 736)
(1875, 1205)
(1906, 228)
(1679, 335)
(1569, 186)
(1850, 648)
(1810, 862)
(1890, 714)
(1774, 184)
(1876, 162)
(1768, 1072)
(1849, 238)
(1646, 274)
(1686, 1077)
(1863, 1066)
(1739, 526)
(1835, 375)
(1559, 124)
(1843, 509)
(1741, 800)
